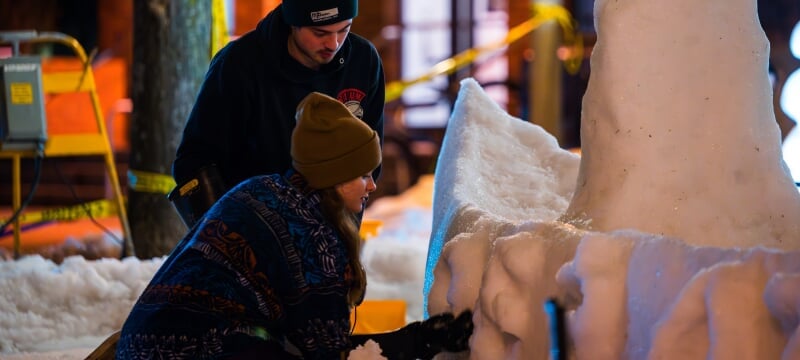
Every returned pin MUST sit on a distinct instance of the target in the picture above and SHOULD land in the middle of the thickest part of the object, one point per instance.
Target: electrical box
(22, 116)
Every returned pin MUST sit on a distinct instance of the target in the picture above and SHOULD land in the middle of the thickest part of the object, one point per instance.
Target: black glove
(423, 339)
(443, 332)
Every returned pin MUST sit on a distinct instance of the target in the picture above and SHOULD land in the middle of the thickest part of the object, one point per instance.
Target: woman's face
(355, 193)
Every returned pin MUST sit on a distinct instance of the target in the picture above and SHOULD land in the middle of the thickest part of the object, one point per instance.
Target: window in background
(790, 103)
(426, 42)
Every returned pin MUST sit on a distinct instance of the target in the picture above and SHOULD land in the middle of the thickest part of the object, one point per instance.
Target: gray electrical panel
(22, 116)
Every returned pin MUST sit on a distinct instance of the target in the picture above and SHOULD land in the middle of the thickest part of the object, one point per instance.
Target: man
(243, 117)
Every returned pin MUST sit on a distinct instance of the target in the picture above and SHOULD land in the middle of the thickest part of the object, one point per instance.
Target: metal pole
(544, 76)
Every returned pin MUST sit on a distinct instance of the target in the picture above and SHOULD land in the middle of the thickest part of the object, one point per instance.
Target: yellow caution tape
(106, 208)
(96, 209)
(219, 27)
(143, 181)
(541, 13)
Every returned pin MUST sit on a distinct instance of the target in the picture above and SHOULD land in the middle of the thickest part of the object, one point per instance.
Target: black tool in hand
(423, 339)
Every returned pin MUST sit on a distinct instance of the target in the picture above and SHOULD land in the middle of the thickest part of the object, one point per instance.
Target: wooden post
(544, 77)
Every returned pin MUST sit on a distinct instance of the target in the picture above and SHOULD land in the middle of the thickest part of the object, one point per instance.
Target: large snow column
(494, 171)
(678, 132)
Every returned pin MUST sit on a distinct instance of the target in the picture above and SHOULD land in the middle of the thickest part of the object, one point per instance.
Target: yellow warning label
(189, 186)
(21, 93)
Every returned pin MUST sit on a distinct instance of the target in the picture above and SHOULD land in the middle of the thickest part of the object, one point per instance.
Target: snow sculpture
(678, 132)
(494, 171)
(682, 200)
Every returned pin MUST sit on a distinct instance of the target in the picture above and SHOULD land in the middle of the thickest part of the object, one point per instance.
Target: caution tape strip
(96, 209)
(144, 181)
(542, 13)
(141, 181)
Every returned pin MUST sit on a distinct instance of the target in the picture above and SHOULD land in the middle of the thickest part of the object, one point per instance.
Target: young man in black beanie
(243, 117)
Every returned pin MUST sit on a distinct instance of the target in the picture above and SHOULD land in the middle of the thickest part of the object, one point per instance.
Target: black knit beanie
(318, 12)
(330, 145)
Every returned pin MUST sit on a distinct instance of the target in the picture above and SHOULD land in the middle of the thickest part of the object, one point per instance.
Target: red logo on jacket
(351, 98)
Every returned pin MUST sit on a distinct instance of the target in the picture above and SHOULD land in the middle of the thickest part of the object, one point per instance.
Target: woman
(273, 268)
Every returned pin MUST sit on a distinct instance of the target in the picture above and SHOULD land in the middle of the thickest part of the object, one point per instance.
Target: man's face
(314, 46)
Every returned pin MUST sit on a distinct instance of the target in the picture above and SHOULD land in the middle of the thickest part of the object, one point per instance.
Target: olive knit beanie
(330, 145)
(318, 12)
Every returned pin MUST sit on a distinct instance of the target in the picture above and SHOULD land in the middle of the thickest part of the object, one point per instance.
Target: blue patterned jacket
(262, 265)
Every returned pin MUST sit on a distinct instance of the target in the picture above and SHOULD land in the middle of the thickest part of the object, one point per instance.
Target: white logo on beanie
(322, 15)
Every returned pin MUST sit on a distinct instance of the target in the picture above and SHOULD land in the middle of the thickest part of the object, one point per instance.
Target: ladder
(66, 145)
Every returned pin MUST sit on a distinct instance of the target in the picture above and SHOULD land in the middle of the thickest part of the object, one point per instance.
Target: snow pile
(494, 171)
(46, 307)
(369, 351)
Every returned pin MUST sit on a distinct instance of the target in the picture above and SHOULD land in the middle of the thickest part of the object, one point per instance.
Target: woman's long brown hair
(346, 223)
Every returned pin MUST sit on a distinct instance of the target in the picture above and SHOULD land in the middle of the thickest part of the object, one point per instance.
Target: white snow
(684, 227)
(369, 351)
(631, 294)
(46, 307)
(678, 129)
